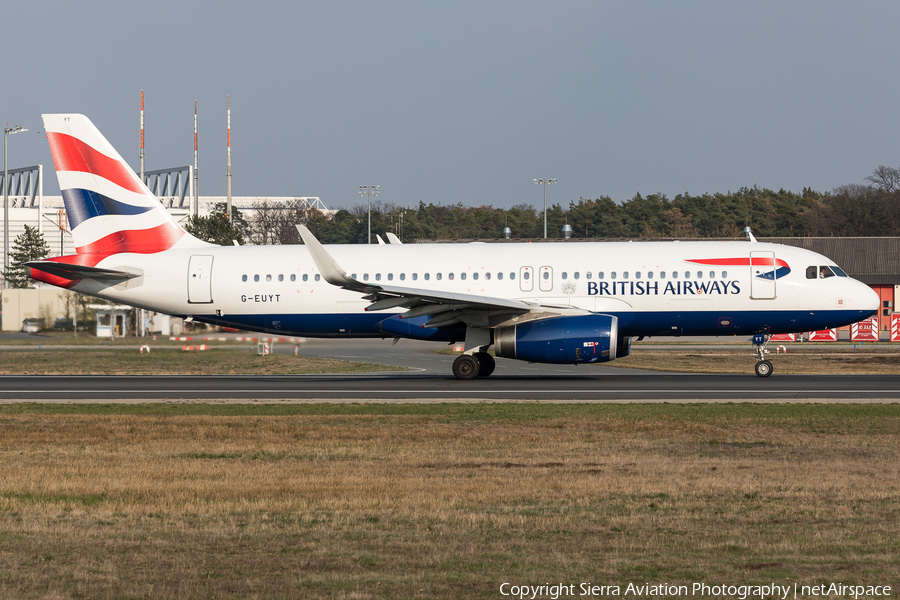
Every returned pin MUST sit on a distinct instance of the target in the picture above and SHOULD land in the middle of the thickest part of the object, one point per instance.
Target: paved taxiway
(429, 380)
(418, 388)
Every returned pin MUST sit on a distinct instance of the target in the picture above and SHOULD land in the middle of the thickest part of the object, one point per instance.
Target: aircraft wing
(70, 271)
(444, 308)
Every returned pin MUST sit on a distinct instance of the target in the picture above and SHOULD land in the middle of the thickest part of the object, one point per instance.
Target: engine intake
(563, 340)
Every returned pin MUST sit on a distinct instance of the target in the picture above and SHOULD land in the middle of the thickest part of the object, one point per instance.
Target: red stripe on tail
(71, 154)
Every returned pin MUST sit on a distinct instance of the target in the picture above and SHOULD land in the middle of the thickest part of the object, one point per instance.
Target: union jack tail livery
(109, 208)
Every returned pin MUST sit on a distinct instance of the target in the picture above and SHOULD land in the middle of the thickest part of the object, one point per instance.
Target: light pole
(6, 132)
(544, 182)
(368, 191)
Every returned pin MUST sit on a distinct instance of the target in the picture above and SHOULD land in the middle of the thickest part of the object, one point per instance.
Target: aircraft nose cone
(869, 299)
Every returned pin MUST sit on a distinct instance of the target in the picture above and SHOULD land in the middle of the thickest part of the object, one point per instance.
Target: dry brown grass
(218, 361)
(415, 505)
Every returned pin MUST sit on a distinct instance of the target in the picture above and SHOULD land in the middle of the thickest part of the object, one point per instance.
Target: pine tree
(27, 247)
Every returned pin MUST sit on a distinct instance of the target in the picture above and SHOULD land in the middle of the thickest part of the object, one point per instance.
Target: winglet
(331, 271)
(393, 239)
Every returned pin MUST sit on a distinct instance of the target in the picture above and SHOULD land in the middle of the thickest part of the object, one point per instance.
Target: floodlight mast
(6, 133)
(368, 191)
(544, 182)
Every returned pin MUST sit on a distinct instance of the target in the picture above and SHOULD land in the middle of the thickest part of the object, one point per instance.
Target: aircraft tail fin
(109, 208)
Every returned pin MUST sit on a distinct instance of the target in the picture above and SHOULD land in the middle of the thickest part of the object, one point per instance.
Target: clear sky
(450, 102)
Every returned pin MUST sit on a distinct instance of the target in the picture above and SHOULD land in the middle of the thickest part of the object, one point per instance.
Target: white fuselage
(654, 288)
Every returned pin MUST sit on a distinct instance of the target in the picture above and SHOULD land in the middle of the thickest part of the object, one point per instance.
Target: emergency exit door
(200, 280)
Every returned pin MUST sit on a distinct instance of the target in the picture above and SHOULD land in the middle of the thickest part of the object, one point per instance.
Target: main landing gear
(763, 366)
(470, 366)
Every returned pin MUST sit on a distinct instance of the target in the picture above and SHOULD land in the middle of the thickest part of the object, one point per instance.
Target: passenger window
(687, 274)
(317, 277)
(281, 278)
(724, 274)
(365, 277)
(662, 274)
(377, 276)
(305, 277)
(625, 275)
(612, 275)
(427, 276)
(499, 275)
(513, 276)
(587, 275)
(674, 274)
(699, 274)
(450, 276)
(649, 274)
(486, 275)
(474, 276)
(462, 276)
(402, 276)
(600, 275)
(294, 277)
(415, 276)
(243, 278)
(712, 274)
(526, 275)
(390, 276)
(256, 278)
(547, 276)
(268, 278)
(637, 274)
(439, 276)
(576, 275)
(353, 276)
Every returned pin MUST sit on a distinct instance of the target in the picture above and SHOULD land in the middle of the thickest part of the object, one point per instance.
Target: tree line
(872, 209)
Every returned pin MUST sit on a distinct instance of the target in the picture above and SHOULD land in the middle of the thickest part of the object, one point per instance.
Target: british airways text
(652, 288)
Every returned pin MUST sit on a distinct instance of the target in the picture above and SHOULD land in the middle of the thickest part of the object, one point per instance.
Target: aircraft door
(762, 275)
(526, 279)
(546, 279)
(200, 280)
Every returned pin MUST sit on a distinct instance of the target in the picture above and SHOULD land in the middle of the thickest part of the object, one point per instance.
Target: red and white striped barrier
(865, 331)
(824, 335)
(784, 337)
(895, 327)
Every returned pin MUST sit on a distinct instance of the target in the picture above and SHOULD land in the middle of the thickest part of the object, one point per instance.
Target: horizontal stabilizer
(69, 271)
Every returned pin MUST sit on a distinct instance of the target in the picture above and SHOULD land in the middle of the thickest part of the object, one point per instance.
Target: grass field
(441, 501)
(170, 361)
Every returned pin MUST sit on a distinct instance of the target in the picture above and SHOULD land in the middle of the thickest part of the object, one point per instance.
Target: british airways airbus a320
(573, 303)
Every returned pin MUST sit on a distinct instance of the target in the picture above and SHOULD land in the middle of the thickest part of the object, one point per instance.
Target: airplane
(557, 303)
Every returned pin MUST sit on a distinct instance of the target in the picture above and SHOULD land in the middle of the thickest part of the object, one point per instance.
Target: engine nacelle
(563, 340)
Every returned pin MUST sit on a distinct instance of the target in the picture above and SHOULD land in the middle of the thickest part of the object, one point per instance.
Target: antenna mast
(196, 207)
(229, 158)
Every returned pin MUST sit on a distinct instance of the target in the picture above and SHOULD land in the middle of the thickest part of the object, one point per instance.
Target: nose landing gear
(763, 367)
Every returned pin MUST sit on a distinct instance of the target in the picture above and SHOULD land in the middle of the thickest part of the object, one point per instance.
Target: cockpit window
(812, 272)
(825, 272)
(839, 271)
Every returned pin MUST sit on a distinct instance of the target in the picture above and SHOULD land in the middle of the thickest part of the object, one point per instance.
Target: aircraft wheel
(466, 367)
(487, 363)
(763, 368)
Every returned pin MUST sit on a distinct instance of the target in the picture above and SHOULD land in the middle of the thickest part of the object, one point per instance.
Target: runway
(429, 380)
(425, 388)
